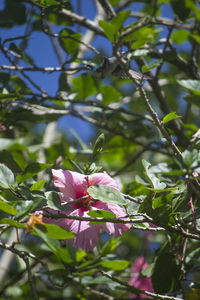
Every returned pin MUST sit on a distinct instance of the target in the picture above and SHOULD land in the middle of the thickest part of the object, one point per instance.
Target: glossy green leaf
(8, 208)
(6, 177)
(101, 214)
(151, 66)
(115, 265)
(108, 29)
(171, 116)
(191, 85)
(11, 222)
(119, 20)
(70, 41)
(32, 170)
(153, 179)
(27, 206)
(57, 232)
(111, 29)
(38, 185)
(84, 86)
(105, 194)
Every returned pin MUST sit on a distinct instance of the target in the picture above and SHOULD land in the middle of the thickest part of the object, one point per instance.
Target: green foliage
(145, 135)
(106, 194)
(84, 86)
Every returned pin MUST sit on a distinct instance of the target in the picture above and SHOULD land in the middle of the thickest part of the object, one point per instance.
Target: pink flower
(73, 186)
(138, 280)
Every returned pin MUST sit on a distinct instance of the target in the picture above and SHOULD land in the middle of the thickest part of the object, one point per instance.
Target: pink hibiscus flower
(73, 186)
(138, 280)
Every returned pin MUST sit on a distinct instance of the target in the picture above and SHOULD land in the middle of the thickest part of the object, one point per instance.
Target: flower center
(85, 204)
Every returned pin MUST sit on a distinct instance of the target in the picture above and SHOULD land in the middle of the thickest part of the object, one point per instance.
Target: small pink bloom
(138, 280)
(73, 186)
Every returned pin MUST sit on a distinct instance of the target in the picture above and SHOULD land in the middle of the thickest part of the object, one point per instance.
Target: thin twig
(137, 291)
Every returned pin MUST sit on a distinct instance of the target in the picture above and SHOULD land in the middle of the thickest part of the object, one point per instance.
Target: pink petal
(87, 236)
(137, 280)
(116, 229)
(71, 184)
(104, 179)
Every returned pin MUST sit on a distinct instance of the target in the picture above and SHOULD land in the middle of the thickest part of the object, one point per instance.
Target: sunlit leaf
(116, 265)
(8, 208)
(105, 194)
(6, 177)
(171, 116)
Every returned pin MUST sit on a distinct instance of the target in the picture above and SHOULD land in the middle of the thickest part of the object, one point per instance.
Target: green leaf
(19, 159)
(119, 20)
(4, 206)
(6, 177)
(38, 185)
(54, 246)
(115, 265)
(111, 30)
(180, 36)
(108, 29)
(182, 11)
(28, 206)
(147, 272)
(191, 85)
(12, 223)
(105, 194)
(98, 146)
(170, 116)
(191, 158)
(193, 99)
(49, 2)
(70, 41)
(84, 86)
(109, 246)
(101, 214)
(153, 179)
(56, 232)
(32, 170)
(158, 202)
(109, 94)
(165, 273)
(151, 66)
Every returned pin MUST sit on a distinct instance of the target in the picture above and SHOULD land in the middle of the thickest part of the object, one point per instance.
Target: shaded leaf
(32, 170)
(69, 42)
(109, 94)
